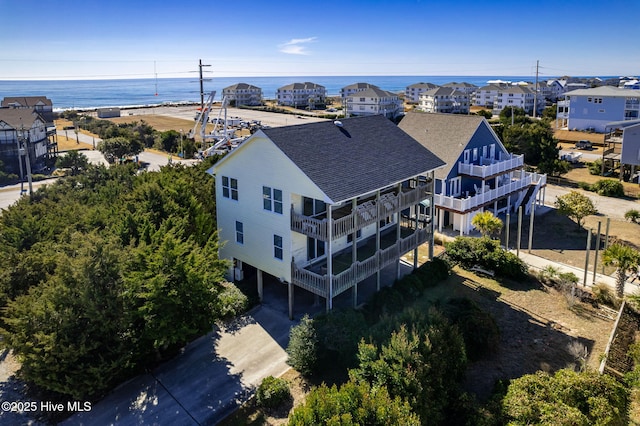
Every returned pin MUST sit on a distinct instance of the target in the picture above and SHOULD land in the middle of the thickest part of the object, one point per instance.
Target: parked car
(583, 144)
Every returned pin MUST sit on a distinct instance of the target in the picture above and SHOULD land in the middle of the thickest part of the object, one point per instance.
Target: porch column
(290, 291)
(508, 203)
(398, 235)
(431, 225)
(440, 213)
(260, 292)
(463, 221)
(354, 249)
(329, 259)
(416, 208)
(378, 241)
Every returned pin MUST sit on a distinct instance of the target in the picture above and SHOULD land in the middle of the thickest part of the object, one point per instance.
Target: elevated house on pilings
(323, 206)
(480, 173)
(621, 152)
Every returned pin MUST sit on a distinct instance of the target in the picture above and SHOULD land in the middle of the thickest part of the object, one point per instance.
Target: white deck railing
(359, 270)
(491, 195)
(367, 213)
(483, 171)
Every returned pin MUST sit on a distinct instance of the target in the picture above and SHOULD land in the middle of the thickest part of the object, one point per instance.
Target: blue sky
(71, 39)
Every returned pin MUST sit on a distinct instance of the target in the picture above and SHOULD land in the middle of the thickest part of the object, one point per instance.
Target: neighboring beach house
(301, 95)
(621, 150)
(40, 104)
(412, 92)
(243, 94)
(593, 109)
(291, 201)
(445, 100)
(517, 97)
(485, 96)
(374, 101)
(349, 90)
(464, 87)
(24, 144)
(480, 173)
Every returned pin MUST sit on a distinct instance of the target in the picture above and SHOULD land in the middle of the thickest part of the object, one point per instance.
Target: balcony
(346, 273)
(346, 221)
(463, 205)
(491, 169)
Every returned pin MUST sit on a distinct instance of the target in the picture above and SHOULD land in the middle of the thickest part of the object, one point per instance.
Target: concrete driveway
(206, 382)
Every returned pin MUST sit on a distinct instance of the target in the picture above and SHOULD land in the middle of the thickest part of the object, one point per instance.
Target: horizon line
(21, 79)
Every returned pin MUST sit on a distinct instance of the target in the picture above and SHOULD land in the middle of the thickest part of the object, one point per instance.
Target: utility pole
(535, 94)
(19, 143)
(25, 145)
(200, 65)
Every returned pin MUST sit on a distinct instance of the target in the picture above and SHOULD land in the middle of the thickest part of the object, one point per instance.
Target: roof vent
(338, 123)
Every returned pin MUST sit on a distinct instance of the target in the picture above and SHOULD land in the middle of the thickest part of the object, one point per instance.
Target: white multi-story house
(323, 206)
(374, 101)
(464, 87)
(301, 95)
(552, 90)
(445, 100)
(517, 97)
(349, 90)
(24, 142)
(480, 174)
(243, 94)
(593, 109)
(486, 96)
(412, 92)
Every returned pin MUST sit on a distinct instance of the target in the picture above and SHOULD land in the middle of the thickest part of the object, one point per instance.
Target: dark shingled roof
(362, 155)
(447, 135)
(18, 117)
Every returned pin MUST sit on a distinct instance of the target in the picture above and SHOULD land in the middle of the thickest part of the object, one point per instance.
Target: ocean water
(89, 94)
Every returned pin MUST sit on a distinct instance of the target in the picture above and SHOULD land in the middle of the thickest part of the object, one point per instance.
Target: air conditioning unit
(238, 274)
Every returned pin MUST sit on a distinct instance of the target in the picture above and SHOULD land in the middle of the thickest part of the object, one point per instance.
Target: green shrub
(632, 215)
(272, 392)
(603, 294)
(566, 398)
(433, 272)
(339, 333)
(353, 404)
(486, 253)
(479, 329)
(409, 287)
(609, 188)
(586, 186)
(232, 301)
(595, 168)
(302, 350)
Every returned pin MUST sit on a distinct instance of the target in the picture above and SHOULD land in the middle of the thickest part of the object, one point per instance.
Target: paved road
(11, 193)
(266, 118)
(614, 208)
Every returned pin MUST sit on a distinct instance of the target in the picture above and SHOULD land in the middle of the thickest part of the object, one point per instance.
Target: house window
(386, 221)
(239, 232)
(362, 99)
(475, 154)
(272, 199)
(277, 247)
(315, 248)
(311, 207)
(229, 188)
(358, 235)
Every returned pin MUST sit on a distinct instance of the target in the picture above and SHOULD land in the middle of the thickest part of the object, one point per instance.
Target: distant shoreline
(89, 95)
